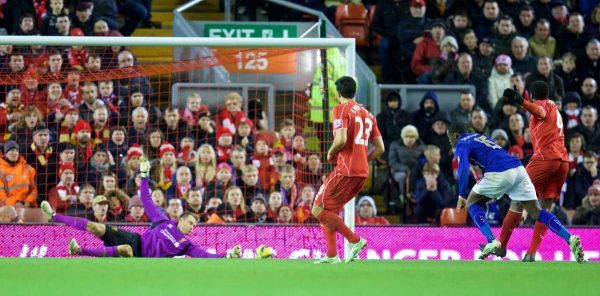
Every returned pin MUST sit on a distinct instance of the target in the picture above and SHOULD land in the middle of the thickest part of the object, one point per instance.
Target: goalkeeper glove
(513, 96)
(144, 167)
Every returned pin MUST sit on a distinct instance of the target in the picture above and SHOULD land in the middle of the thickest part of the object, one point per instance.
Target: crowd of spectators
(78, 144)
(75, 17)
(493, 45)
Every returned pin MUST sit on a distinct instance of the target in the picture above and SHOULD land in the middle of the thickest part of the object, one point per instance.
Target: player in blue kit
(503, 174)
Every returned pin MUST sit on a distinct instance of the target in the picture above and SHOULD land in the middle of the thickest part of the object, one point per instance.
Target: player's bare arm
(379, 148)
(339, 141)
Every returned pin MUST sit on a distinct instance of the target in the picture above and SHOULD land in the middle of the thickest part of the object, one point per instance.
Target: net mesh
(81, 117)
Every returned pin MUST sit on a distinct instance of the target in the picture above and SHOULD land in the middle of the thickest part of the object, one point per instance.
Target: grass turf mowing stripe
(115, 276)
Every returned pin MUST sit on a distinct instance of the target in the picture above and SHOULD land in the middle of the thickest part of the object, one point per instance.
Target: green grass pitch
(116, 276)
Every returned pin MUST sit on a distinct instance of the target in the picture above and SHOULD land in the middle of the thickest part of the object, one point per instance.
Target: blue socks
(478, 216)
(553, 224)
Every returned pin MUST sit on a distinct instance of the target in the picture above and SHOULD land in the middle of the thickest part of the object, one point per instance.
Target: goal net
(211, 114)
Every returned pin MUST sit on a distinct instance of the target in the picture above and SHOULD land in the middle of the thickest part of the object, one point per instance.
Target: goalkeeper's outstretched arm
(153, 212)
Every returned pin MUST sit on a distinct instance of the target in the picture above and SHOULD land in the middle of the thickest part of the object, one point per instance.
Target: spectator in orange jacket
(17, 178)
(367, 213)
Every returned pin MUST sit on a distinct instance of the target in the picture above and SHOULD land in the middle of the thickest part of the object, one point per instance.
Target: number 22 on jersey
(364, 131)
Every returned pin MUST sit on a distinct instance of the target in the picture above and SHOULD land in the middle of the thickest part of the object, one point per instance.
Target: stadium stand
(57, 108)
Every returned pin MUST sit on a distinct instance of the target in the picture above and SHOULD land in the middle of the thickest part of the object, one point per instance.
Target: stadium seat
(32, 215)
(453, 217)
(353, 22)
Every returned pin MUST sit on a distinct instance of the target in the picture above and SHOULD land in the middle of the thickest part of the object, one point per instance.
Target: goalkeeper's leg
(98, 229)
(115, 251)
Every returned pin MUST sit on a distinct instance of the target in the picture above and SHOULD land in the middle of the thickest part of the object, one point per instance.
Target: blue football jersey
(480, 150)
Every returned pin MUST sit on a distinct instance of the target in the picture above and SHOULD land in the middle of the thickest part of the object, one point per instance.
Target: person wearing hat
(392, 119)
(499, 80)
(83, 137)
(446, 60)
(136, 211)
(64, 194)
(100, 209)
(571, 109)
(85, 17)
(366, 213)
(258, 211)
(428, 108)
(223, 180)
(224, 143)
(403, 43)
(10, 110)
(438, 137)
(426, 50)
(484, 57)
(588, 213)
(98, 165)
(44, 159)
(164, 169)
(15, 173)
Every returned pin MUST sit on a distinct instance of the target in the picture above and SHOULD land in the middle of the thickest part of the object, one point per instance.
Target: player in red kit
(548, 166)
(353, 129)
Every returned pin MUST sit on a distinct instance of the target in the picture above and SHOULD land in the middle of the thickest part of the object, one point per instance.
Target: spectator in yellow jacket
(17, 178)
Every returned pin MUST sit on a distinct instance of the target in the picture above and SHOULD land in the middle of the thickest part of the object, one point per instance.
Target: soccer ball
(264, 252)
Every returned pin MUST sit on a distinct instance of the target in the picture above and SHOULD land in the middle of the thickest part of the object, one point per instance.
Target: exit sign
(228, 30)
(256, 60)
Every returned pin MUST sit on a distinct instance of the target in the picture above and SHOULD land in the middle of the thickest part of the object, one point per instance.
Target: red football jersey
(361, 127)
(547, 135)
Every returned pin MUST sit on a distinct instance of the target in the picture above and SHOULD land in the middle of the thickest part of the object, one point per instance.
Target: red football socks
(539, 230)
(511, 221)
(332, 223)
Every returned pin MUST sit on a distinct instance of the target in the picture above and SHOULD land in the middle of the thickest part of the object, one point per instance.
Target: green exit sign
(228, 30)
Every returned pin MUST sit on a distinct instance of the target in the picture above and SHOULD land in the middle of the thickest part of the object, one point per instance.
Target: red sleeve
(535, 110)
(375, 132)
(340, 117)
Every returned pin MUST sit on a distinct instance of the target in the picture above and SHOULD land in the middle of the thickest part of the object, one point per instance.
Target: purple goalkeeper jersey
(164, 239)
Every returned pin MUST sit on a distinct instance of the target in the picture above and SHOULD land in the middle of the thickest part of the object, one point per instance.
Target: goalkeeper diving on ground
(164, 238)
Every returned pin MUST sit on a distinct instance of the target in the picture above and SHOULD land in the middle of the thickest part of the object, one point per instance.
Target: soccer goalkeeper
(165, 237)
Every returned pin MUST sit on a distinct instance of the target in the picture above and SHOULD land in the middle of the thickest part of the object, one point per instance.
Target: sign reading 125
(253, 60)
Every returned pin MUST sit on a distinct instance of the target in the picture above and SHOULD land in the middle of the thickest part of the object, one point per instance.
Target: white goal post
(346, 45)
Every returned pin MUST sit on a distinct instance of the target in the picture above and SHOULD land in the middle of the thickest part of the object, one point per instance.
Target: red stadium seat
(453, 217)
(353, 22)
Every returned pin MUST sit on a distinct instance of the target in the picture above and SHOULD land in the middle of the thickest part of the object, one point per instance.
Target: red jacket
(60, 191)
(425, 51)
(267, 175)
